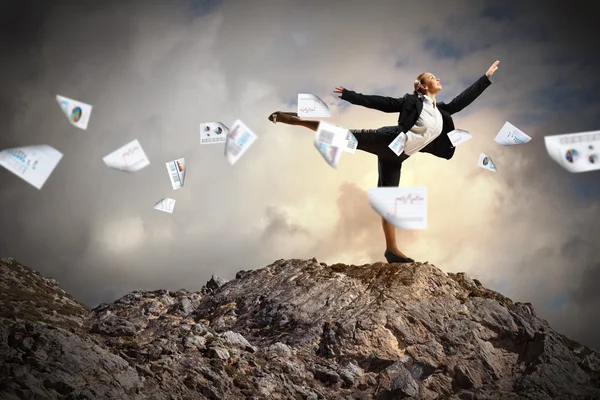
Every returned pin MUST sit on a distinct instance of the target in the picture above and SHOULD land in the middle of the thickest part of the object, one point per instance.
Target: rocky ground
(296, 329)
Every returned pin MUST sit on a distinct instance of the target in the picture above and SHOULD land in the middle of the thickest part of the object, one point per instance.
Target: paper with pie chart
(128, 158)
(33, 164)
(167, 205)
(404, 208)
(458, 137)
(510, 135)
(213, 132)
(575, 152)
(486, 162)
(78, 113)
(176, 170)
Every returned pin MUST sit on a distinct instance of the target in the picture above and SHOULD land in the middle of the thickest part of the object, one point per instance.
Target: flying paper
(239, 139)
(176, 171)
(33, 164)
(167, 205)
(575, 152)
(351, 143)
(405, 208)
(397, 144)
(129, 158)
(510, 135)
(213, 132)
(330, 140)
(77, 112)
(486, 163)
(458, 137)
(310, 105)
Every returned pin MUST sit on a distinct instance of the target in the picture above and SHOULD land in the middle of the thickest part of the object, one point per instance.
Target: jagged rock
(294, 329)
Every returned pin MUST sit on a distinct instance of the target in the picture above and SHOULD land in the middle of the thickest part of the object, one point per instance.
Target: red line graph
(408, 199)
(309, 109)
(129, 152)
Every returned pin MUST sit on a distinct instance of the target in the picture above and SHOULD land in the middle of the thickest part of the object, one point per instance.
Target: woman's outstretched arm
(471, 93)
(381, 103)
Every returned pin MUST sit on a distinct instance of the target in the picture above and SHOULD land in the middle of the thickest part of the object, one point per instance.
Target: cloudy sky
(154, 70)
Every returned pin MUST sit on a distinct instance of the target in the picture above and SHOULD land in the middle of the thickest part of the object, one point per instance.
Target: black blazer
(410, 107)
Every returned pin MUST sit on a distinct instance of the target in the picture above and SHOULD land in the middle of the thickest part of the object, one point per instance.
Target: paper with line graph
(176, 171)
(575, 152)
(167, 205)
(458, 137)
(330, 140)
(33, 164)
(310, 105)
(405, 208)
(239, 140)
(129, 158)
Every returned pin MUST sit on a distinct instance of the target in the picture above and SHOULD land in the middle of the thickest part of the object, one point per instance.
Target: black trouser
(377, 141)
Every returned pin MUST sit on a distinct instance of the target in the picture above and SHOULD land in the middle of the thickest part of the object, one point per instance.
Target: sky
(155, 70)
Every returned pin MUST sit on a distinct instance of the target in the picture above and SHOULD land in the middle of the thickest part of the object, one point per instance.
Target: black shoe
(393, 258)
(273, 117)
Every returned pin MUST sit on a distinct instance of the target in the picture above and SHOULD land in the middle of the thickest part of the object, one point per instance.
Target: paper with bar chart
(404, 208)
(33, 164)
(176, 170)
(239, 140)
(510, 135)
(330, 140)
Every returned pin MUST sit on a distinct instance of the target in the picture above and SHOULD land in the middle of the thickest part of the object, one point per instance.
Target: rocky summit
(296, 329)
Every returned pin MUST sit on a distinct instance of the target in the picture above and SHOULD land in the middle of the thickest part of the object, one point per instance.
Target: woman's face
(431, 83)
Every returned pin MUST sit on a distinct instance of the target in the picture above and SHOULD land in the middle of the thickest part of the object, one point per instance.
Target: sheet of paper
(332, 135)
(239, 140)
(167, 205)
(77, 112)
(575, 152)
(486, 162)
(331, 154)
(176, 170)
(33, 164)
(310, 105)
(351, 143)
(213, 132)
(397, 144)
(129, 158)
(511, 135)
(458, 137)
(405, 208)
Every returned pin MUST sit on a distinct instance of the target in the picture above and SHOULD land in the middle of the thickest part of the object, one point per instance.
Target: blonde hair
(417, 85)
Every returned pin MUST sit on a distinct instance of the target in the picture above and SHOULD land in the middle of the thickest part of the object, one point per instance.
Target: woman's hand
(492, 69)
(339, 89)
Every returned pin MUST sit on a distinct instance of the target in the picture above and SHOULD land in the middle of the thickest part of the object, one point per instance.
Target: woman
(423, 123)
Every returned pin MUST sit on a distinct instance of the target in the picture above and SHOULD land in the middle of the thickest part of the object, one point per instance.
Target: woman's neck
(430, 95)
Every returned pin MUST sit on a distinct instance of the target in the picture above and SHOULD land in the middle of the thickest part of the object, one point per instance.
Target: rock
(294, 329)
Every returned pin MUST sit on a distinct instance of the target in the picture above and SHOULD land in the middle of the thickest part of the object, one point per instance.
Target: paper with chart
(176, 170)
(239, 140)
(486, 162)
(351, 143)
(458, 137)
(213, 132)
(129, 158)
(405, 208)
(167, 205)
(511, 135)
(330, 141)
(310, 105)
(575, 152)
(77, 112)
(398, 144)
(33, 164)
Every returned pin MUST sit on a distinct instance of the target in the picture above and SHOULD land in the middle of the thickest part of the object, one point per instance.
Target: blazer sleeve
(381, 103)
(467, 96)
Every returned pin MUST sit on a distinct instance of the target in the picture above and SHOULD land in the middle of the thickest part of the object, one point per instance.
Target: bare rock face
(296, 329)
